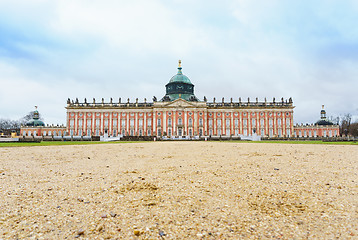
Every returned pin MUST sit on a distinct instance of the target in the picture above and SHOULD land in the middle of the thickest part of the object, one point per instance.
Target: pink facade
(316, 130)
(43, 131)
(181, 118)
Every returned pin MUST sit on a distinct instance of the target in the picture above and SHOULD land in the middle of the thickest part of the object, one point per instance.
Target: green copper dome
(179, 86)
(179, 77)
(35, 121)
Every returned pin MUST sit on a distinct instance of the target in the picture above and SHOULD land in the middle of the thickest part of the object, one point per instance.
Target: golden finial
(180, 63)
(36, 107)
(322, 107)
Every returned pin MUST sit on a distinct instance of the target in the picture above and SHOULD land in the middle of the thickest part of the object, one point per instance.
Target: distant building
(36, 127)
(322, 128)
(180, 113)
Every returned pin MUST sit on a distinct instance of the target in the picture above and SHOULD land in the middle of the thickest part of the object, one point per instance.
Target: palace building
(180, 113)
(322, 128)
(35, 127)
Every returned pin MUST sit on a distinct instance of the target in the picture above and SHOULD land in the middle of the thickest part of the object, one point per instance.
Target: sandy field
(179, 190)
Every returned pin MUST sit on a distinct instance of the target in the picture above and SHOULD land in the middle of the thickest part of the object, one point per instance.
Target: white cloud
(229, 49)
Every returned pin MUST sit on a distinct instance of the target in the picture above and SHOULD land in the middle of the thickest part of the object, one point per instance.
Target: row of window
(180, 122)
(44, 133)
(313, 133)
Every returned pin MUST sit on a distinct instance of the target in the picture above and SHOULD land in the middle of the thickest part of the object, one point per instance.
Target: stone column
(164, 123)
(85, 123)
(76, 123)
(154, 123)
(110, 124)
(145, 124)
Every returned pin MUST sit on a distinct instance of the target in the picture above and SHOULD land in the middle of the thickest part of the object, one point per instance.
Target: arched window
(190, 122)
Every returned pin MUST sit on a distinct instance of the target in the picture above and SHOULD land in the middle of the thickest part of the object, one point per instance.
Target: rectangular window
(159, 122)
(72, 123)
(219, 122)
(132, 124)
(97, 123)
(169, 132)
(288, 134)
(190, 132)
(149, 132)
(288, 122)
(236, 122)
(253, 122)
(200, 131)
(279, 132)
(180, 121)
(210, 122)
(324, 133)
(227, 132)
(227, 122)
(80, 123)
(159, 132)
(210, 132)
(245, 123)
(279, 122)
(115, 123)
(270, 122)
(262, 132)
(123, 122)
(89, 123)
(200, 122)
(149, 122)
(169, 121)
(245, 132)
(140, 122)
(271, 132)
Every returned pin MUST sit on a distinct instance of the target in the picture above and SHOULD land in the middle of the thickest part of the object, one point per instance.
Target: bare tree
(345, 122)
(16, 124)
(353, 129)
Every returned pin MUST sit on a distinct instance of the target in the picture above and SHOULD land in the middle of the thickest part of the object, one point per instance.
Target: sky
(51, 50)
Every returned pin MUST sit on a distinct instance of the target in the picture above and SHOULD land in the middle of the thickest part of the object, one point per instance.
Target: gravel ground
(179, 190)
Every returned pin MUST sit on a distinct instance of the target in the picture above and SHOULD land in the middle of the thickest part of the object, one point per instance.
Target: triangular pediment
(180, 103)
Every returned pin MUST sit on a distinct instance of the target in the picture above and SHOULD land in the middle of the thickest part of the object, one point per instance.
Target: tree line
(8, 124)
